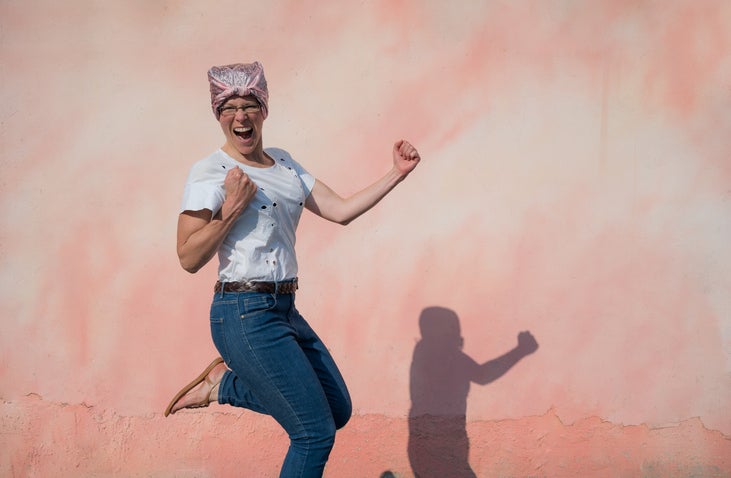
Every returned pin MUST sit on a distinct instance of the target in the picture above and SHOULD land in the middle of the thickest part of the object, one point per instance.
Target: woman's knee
(342, 414)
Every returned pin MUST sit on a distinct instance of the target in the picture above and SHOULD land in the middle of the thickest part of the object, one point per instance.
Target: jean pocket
(255, 305)
(221, 309)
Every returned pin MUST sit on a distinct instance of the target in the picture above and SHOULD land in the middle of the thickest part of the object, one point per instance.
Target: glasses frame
(231, 110)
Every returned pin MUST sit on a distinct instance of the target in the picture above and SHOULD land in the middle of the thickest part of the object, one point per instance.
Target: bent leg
(271, 373)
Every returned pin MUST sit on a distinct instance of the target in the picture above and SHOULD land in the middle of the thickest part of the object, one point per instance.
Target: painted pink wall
(575, 184)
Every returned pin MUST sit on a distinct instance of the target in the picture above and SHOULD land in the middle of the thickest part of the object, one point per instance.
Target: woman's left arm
(327, 204)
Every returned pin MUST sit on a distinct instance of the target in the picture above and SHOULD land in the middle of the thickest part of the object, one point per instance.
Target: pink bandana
(240, 79)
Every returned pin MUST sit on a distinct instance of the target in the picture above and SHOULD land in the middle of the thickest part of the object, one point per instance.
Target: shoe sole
(192, 384)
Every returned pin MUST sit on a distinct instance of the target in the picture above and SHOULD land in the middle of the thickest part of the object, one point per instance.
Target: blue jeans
(280, 367)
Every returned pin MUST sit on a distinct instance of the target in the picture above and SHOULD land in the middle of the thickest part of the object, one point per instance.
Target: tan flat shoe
(200, 378)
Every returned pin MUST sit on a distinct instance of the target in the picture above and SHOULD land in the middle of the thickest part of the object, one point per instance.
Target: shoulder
(283, 158)
(279, 154)
(210, 167)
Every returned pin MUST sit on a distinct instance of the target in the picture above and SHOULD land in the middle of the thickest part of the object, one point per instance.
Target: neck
(257, 158)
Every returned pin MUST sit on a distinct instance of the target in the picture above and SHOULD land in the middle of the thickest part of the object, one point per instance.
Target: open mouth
(244, 133)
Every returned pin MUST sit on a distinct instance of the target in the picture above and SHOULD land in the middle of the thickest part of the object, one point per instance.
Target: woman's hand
(405, 157)
(240, 190)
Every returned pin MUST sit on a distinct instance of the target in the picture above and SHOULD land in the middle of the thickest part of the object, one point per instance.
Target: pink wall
(575, 184)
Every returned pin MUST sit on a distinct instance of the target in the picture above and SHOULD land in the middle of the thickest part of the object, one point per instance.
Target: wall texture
(574, 190)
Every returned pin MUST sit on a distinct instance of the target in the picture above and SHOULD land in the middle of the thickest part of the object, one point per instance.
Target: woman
(244, 202)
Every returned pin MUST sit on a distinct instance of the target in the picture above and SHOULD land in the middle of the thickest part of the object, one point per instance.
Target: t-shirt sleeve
(203, 190)
(197, 196)
(308, 180)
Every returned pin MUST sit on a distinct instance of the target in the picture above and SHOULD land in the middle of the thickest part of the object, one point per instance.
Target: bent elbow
(189, 267)
(344, 219)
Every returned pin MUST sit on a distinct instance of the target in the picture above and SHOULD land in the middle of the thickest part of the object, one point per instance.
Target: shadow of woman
(441, 374)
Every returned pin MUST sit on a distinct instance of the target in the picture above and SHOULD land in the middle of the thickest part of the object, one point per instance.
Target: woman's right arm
(200, 234)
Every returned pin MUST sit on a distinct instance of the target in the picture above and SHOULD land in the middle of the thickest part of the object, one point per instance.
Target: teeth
(242, 130)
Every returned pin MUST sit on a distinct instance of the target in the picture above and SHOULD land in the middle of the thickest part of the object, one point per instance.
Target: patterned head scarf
(240, 79)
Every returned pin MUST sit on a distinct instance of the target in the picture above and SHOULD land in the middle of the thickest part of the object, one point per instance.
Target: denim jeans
(280, 367)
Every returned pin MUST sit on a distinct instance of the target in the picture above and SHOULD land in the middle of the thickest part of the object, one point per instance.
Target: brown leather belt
(288, 287)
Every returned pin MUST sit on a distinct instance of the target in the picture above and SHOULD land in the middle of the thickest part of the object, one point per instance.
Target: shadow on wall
(441, 374)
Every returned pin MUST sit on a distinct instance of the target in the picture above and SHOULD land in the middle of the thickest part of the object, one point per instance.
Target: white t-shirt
(260, 246)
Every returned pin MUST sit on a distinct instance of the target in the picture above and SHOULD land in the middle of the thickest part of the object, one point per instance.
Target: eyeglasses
(230, 110)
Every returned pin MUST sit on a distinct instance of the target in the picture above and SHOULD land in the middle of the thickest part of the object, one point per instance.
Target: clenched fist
(405, 157)
(527, 342)
(240, 190)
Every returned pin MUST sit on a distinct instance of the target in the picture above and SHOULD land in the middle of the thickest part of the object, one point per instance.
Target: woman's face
(241, 121)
